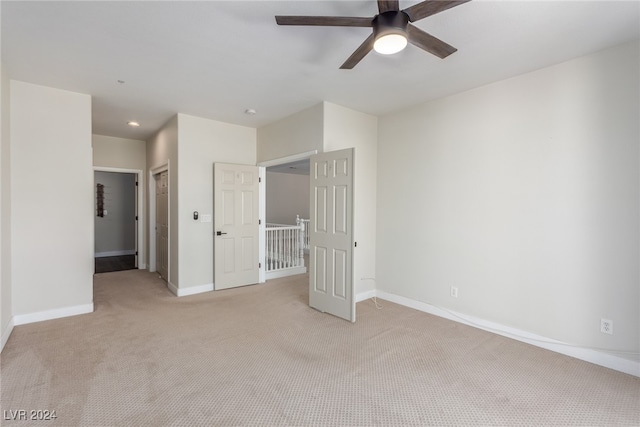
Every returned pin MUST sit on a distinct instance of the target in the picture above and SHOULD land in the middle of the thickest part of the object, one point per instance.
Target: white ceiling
(215, 59)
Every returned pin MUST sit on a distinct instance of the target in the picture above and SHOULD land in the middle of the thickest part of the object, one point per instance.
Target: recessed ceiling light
(250, 111)
(133, 124)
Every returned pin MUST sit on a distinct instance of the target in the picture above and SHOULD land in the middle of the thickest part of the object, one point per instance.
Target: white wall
(287, 196)
(299, 133)
(122, 153)
(162, 149)
(5, 209)
(115, 232)
(524, 194)
(346, 128)
(201, 143)
(51, 199)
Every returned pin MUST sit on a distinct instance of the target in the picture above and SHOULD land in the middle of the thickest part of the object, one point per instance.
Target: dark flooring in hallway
(115, 263)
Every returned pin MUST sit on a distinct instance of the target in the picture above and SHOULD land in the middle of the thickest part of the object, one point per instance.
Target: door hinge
(259, 221)
(136, 217)
(355, 244)
(136, 253)
(136, 183)
(259, 179)
(259, 265)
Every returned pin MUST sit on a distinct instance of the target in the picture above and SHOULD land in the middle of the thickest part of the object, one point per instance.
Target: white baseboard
(284, 273)
(191, 290)
(115, 253)
(142, 266)
(23, 319)
(601, 358)
(365, 295)
(6, 334)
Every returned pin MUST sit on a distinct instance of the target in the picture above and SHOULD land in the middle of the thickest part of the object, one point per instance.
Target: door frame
(152, 217)
(262, 202)
(139, 209)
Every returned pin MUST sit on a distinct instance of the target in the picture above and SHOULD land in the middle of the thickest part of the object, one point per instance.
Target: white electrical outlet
(606, 326)
(454, 292)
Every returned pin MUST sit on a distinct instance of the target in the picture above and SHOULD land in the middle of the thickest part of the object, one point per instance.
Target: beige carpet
(259, 356)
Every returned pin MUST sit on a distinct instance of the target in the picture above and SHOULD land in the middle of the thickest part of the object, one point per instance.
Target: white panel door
(235, 248)
(331, 235)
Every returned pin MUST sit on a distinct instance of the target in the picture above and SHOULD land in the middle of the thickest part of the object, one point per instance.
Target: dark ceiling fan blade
(388, 5)
(360, 53)
(430, 7)
(428, 42)
(325, 21)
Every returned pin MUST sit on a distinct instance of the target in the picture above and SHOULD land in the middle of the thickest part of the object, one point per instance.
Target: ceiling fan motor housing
(392, 22)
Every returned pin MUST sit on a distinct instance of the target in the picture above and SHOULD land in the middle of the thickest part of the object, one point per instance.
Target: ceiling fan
(391, 28)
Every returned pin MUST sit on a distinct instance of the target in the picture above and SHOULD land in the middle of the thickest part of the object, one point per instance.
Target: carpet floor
(258, 355)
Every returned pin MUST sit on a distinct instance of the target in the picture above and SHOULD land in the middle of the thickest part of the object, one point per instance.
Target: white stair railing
(285, 247)
(306, 224)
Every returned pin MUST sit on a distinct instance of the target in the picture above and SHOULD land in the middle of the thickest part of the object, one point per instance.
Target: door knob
(219, 233)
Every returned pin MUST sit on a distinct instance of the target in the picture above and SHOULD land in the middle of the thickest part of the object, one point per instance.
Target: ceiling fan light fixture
(390, 32)
(391, 29)
(389, 44)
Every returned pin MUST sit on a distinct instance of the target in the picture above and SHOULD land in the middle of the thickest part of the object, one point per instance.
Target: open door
(235, 247)
(331, 235)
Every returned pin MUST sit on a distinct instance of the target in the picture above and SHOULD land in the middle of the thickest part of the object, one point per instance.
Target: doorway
(287, 219)
(116, 220)
(330, 199)
(284, 195)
